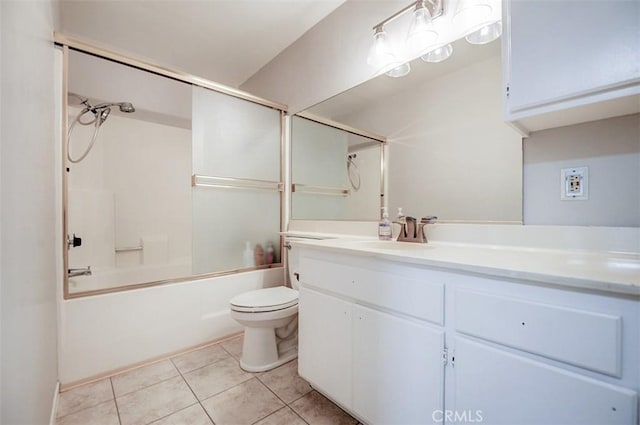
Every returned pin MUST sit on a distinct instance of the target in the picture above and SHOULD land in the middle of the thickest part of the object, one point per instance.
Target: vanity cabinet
(396, 363)
(566, 62)
(398, 343)
(325, 343)
(356, 346)
(506, 388)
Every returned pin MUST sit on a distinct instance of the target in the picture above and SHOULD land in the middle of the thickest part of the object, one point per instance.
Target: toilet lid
(267, 299)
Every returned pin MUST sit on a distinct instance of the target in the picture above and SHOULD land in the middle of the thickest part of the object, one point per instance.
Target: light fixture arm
(433, 6)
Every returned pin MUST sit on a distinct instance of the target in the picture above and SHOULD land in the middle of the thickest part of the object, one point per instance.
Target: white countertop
(602, 271)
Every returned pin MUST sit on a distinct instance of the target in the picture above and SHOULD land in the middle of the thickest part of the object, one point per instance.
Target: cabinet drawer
(328, 275)
(508, 389)
(586, 339)
(422, 297)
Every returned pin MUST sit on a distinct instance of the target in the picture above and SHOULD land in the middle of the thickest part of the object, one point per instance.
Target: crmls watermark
(457, 416)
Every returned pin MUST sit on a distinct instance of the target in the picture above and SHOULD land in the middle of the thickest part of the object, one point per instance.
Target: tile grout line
(279, 398)
(282, 408)
(145, 387)
(179, 373)
(86, 407)
(295, 411)
(228, 352)
(172, 413)
(193, 392)
(115, 401)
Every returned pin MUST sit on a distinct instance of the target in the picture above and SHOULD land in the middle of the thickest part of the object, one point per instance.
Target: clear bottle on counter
(384, 227)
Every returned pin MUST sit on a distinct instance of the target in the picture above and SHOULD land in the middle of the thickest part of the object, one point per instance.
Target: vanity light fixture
(399, 71)
(420, 37)
(439, 54)
(421, 34)
(471, 14)
(486, 34)
(476, 20)
(380, 55)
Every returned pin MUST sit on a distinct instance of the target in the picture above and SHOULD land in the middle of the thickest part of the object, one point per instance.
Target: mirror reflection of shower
(100, 114)
(353, 171)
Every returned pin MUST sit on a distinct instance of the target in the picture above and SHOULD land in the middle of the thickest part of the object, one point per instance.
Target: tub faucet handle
(73, 241)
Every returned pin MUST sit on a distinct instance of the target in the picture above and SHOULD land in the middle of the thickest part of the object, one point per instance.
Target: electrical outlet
(574, 184)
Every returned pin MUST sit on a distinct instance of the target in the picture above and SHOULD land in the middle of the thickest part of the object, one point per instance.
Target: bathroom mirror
(336, 174)
(450, 154)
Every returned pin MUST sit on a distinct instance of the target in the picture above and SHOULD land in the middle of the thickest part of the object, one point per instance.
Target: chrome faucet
(85, 271)
(412, 230)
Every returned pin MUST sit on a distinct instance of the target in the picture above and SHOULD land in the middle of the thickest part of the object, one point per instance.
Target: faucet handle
(428, 219)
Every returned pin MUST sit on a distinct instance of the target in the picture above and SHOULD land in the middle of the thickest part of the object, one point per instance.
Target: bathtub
(121, 276)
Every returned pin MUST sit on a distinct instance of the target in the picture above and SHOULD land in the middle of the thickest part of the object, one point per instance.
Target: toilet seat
(264, 300)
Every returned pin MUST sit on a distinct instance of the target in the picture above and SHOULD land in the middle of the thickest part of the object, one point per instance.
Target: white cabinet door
(567, 51)
(398, 374)
(324, 341)
(499, 387)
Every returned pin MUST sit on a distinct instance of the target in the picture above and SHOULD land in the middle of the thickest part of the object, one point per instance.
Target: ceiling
(226, 41)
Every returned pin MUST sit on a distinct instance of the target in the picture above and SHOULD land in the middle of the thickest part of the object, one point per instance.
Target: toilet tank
(293, 258)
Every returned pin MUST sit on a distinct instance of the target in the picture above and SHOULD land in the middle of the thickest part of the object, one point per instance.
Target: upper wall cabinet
(567, 62)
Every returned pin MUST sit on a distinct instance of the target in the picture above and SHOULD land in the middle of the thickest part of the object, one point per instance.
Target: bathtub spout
(86, 271)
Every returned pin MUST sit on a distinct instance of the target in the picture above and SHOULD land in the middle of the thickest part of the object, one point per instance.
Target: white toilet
(270, 320)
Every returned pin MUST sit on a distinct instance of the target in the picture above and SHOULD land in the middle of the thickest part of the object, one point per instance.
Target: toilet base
(282, 359)
(265, 348)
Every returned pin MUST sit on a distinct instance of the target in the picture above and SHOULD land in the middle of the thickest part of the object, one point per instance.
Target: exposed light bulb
(471, 14)
(486, 34)
(380, 53)
(399, 71)
(421, 34)
(439, 54)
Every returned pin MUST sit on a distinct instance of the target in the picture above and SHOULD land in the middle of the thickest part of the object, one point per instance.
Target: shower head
(126, 107)
(104, 114)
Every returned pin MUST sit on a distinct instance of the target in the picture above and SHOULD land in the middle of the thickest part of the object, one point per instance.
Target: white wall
(450, 153)
(155, 97)
(28, 266)
(328, 59)
(133, 187)
(611, 150)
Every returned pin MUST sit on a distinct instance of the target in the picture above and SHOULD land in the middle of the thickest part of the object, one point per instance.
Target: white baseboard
(54, 405)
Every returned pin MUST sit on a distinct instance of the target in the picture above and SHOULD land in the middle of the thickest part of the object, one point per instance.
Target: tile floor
(202, 387)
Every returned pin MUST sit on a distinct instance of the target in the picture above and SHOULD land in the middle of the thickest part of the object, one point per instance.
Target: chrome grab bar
(320, 190)
(129, 248)
(235, 183)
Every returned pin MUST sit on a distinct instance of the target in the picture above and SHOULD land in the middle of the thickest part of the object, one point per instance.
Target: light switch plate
(574, 184)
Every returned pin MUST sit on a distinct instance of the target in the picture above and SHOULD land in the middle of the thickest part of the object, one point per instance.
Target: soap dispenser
(384, 227)
(402, 219)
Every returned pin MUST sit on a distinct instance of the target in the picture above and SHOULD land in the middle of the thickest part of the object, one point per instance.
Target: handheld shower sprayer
(100, 114)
